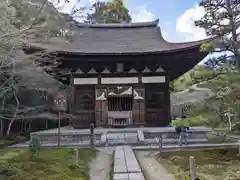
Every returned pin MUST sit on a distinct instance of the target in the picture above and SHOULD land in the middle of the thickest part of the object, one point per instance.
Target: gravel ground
(151, 168)
(100, 167)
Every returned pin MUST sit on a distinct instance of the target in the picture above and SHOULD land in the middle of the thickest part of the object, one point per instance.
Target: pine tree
(109, 12)
(222, 18)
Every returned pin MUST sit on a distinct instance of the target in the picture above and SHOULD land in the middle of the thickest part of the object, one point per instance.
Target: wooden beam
(83, 81)
(154, 79)
(119, 80)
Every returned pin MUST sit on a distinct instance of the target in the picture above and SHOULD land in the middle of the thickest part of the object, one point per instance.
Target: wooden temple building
(119, 74)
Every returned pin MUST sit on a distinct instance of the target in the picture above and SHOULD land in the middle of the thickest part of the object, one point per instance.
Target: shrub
(236, 127)
(181, 122)
(191, 121)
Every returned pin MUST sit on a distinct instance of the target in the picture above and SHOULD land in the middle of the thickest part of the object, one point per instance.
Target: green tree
(109, 12)
(222, 18)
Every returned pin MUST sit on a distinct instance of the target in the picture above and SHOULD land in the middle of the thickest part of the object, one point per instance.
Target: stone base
(102, 135)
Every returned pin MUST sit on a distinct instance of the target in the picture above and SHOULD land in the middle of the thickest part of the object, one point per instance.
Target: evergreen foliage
(109, 12)
(222, 18)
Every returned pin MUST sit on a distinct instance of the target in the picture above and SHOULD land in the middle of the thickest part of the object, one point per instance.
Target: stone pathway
(152, 169)
(100, 167)
(126, 166)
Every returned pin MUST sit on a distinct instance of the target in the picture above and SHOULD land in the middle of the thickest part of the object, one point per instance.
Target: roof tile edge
(120, 25)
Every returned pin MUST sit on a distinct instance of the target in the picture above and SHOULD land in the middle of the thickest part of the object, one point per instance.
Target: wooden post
(238, 147)
(59, 126)
(76, 157)
(91, 135)
(230, 123)
(193, 170)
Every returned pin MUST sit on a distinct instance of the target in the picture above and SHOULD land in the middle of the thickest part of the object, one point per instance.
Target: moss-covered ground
(51, 164)
(217, 164)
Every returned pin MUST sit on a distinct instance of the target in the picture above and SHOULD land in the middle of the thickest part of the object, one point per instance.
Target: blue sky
(176, 17)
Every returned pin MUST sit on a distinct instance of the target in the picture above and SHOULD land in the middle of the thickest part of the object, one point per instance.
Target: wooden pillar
(101, 107)
(167, 102)
(91, 135)
(71, 97)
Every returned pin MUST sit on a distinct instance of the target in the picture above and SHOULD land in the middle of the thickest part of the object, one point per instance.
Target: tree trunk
(10, 125)
(29, 126)
(2, 120)
(14, 115)
(234, 33)
(21, 130)
(25, 126)
(2, 127)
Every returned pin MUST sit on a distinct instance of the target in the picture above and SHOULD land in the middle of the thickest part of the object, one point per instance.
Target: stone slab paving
(126, 166)
(131, 161)
(128, 176)
(119, 160)
(152, 169)
(101, 166)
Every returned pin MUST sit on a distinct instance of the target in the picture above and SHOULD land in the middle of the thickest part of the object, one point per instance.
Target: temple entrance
(120, 105)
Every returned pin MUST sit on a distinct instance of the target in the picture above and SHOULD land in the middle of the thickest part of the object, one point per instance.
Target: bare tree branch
(27, 28)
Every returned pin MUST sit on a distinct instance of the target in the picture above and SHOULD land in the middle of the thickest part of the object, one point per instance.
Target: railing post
(160, 143)
(59, 127)
(193, 170)
(238, 147)
(76, 157)
(92, 135)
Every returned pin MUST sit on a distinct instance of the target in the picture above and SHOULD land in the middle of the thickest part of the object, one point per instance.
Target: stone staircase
(121, 138)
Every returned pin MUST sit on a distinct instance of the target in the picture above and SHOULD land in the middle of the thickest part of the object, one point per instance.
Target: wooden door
(156, 105)
(84, 106)
(138, 106)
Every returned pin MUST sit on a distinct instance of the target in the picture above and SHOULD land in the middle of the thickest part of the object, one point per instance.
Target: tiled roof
(131, 38)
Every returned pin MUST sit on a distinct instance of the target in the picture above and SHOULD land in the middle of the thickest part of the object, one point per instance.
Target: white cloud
(63, 6)
(141, 14)
(185, 24)
(138, 13)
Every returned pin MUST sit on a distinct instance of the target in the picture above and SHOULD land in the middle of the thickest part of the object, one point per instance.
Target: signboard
(59, 103)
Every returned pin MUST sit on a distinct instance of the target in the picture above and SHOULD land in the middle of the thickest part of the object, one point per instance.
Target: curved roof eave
(179, 47)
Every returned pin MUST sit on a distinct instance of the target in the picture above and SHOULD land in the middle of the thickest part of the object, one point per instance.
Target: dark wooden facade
(133, 56)
(152, 109)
